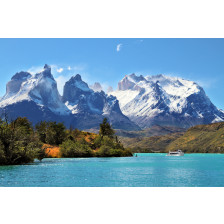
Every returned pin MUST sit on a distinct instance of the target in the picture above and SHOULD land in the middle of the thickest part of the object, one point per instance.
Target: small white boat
(176, 153)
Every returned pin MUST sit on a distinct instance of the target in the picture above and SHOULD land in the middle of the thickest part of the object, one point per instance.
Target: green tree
(51, 132)
(106, 129)
(18, 142)
(41, 129)
(56, 133)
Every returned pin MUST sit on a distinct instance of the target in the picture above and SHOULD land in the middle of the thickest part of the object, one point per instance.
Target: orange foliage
(52, 151)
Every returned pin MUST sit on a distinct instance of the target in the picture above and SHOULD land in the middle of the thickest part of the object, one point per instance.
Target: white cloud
(69, 68)
(60, 70)
(119, 47)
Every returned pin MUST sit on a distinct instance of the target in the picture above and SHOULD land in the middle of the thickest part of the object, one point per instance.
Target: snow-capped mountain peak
(40, 88)
(165, 100)
(89, 107)
(145, 101)
(96, 87)
(131, 82)
(36, 97)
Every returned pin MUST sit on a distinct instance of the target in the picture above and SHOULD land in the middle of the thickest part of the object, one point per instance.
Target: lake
(146, 170)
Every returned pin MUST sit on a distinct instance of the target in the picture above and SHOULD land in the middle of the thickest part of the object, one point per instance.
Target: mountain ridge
(36, 96)
(166, 101)
(140, 102)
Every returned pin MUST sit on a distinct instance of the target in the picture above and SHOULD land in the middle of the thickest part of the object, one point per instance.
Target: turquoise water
(146, 170)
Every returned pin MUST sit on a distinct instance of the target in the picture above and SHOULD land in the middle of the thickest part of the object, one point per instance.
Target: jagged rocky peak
(130, 82)
(40, 88)
(47, 67)
(45, 73)
(14, 85)
(165, 100)
(165, 80)
(126, 83)
(21, 76)
(43, 85)
(89, 107)
(76, 78)
(110, 89)
(136, 78)
(96, 87)
(74, 88)
(77, 81)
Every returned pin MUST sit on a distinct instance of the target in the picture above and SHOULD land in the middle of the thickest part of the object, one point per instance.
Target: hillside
(198, 139)
(201, 138)
(150, 144)
(155, 130)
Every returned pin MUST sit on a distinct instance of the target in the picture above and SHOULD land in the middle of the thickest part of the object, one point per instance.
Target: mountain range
(36, 97)
(165, 101)
(138, 103)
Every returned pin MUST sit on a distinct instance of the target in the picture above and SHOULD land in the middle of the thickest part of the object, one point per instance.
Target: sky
(108, 60)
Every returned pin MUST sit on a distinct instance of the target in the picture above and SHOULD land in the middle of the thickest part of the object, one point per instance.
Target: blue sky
(108, 60)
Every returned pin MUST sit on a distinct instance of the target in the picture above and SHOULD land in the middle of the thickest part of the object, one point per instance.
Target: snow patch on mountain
(89, 106)
(151, 99)
(40, 88)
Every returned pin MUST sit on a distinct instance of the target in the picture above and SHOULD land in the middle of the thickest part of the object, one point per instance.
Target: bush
(72, 149)
(107, 151)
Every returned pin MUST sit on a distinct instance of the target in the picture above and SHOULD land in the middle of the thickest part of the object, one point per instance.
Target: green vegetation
(20, 143)
(155, 130)
(150, 144)
(199, 139)
(105, 144)
(70, 149)
(51, 132)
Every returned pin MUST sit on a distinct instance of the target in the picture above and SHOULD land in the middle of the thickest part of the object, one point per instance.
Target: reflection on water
(146, 170)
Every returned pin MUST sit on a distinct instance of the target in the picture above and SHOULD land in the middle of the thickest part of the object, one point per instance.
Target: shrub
(72, 149)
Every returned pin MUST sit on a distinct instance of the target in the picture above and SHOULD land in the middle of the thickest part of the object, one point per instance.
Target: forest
(21, 142)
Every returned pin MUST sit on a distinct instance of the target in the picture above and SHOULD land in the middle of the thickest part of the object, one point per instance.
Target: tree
(106, 129)
(23, 124)
(56, 133)
(51, 132)
(41, 129)
(18, 142)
